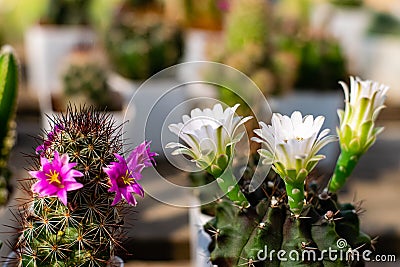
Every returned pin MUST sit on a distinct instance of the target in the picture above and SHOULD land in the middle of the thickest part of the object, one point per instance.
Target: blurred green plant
(67, 12)
(9, 73)
(348, 3)
(251, 46)
(321, 64)
(17, 15)
(140, 42)
(384, 24)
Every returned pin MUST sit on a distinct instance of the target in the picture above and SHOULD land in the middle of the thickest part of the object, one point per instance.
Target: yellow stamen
(53, 178)
(127, 178)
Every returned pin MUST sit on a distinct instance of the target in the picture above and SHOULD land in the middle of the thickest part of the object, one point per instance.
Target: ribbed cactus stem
(229, 186)
(344, 167)
(295, 193)
(8, 92)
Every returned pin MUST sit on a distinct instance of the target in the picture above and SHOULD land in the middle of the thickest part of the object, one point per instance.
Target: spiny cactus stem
(8, 89)
(228, 184)
(295, 193)
(344, 167)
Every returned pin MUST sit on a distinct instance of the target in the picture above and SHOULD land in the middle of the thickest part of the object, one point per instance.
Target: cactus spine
(88, 229)
(8, 98)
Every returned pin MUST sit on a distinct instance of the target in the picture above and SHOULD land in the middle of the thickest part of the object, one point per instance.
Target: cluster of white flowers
(289, 144)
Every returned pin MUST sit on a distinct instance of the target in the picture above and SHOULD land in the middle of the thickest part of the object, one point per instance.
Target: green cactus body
(295, 192)
(254, 236)
(345, 165)
(87, 231)
(228, 185)
(8, 98)
(326, 237)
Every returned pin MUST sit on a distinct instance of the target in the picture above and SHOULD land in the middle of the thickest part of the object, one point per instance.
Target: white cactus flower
(363, 103)
(357, 131)
(208, 134)
(292, 144)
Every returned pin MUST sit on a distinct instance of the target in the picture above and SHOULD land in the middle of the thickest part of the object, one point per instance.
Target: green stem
(228, 184)
(344, 167)
(295, 192)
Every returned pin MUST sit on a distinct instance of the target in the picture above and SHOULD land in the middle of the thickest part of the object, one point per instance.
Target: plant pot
(10, 261)
(196, 42)
(314, 103)
(382, 62)
(51, 103)
(45, 48)
(199, 239)
(160, 101)
(353, 21)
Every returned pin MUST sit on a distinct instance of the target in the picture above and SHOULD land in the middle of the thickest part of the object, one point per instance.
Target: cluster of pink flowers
(57, 176)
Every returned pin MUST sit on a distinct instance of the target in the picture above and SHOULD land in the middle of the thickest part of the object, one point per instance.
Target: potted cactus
(64, 26)
(289, 219)
(141, 43)
(79, 191)
(84, 81)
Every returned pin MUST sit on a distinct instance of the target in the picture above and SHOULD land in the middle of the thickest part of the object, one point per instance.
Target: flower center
(126, 179)
(299, 138)
(54, 178)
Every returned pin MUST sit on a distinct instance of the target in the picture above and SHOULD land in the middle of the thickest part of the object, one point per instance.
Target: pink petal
(62, 195)
(116, 199)
(72, 186)
(138, 189)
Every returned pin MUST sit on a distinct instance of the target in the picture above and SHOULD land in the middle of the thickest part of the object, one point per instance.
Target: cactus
(141, 44)
(288, 220)
(76, 217)
(86, 77)
(246, 237)
(8, 98)
(70, 12)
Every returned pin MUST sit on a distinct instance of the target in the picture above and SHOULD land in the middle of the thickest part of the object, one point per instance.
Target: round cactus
(75, 217)
(246, 236)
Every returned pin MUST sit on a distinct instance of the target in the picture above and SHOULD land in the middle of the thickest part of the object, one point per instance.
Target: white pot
(314, 103)
(199, 239)
(382, 63)
(10, 261)
(196, 42)
(157, 104)
(348, 25)
(46, 47)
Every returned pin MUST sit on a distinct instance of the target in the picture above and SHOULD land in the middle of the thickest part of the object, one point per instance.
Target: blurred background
(100, 51)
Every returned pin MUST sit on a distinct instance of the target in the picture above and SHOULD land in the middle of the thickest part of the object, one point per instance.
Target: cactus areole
(81, 185)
